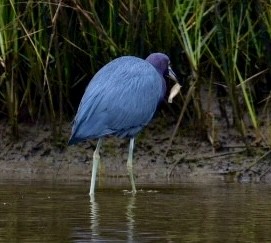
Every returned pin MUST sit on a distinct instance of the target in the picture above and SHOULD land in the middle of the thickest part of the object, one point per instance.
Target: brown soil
(191, 157)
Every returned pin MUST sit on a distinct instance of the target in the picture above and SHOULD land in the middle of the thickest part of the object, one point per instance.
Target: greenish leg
(130, 164)
(96, 160)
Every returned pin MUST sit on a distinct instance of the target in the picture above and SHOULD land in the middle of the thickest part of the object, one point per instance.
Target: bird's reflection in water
(130, 214)
(96, 225)
(94, 218)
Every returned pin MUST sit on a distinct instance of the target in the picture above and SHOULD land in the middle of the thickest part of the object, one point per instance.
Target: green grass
(50, 50)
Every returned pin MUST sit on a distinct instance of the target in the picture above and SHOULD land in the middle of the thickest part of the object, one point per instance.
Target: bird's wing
(121, 99)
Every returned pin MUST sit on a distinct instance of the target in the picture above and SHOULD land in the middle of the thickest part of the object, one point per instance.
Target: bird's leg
(130, 164)
(96, 160)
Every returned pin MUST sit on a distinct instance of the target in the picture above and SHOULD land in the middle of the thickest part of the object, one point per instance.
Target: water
(47, 212)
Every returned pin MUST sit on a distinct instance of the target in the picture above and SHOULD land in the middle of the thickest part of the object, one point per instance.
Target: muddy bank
(190, 158)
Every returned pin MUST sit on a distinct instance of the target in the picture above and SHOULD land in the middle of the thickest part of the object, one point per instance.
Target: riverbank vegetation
(49, 50)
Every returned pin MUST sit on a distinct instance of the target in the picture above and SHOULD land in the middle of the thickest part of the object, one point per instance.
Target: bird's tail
(73, 140)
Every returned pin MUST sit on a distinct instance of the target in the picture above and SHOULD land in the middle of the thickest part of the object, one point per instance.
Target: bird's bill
(176, 88)
(172, 75)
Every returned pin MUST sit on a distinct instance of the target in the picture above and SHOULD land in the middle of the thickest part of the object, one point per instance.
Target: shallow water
(46, 212)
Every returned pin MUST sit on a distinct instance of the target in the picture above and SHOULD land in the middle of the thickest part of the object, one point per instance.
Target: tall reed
(50, 49)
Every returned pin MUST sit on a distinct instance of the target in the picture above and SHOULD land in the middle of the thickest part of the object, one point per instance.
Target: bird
(120, 100)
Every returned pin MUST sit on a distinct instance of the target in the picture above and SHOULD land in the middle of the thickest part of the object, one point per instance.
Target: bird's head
(161, 63)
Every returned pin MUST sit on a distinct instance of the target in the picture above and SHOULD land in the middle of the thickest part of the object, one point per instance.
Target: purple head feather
(160, 61)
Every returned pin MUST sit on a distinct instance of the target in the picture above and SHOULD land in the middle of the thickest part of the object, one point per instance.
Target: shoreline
(33, 157)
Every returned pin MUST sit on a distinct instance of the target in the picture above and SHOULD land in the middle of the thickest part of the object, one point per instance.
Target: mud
(191, 157)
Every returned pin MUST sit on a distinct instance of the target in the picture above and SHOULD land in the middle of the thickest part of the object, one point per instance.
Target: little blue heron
(120, 100)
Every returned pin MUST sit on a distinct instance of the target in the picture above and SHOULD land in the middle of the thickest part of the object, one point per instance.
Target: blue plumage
(120, 100)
